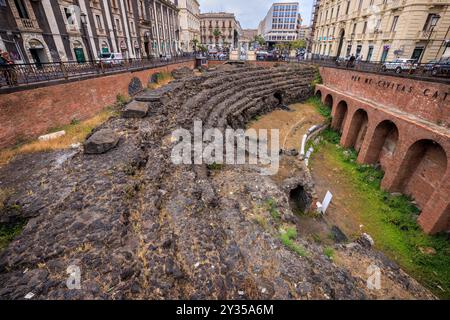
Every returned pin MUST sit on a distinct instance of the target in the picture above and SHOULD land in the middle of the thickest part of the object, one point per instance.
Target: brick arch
(339, 115)
(421, 170)
(319, 94)
(328, 101)
(356, 129)
(383, 143)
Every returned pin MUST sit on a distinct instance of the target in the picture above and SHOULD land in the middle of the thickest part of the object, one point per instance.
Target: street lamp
(84, 23)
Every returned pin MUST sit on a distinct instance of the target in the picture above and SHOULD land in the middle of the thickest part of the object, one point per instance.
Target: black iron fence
(428, 71)
(28, 73)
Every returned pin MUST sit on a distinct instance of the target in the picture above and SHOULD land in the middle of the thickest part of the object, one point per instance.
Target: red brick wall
(30, 113)
(419, 165)
(428, 100)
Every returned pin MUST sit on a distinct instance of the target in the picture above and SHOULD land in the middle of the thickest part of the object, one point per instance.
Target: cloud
(250, 12)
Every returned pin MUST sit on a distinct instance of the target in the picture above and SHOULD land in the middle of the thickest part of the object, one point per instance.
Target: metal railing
(426, 71)
(30, 73)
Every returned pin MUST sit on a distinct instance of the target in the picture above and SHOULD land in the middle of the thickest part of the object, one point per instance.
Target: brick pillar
(367, 148)
(348, 132)
(391, 174)
(435, 216)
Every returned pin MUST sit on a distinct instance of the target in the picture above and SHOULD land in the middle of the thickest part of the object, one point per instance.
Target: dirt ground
(344, 208)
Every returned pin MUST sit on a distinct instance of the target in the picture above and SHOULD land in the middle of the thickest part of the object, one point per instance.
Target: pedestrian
(351, 61)
(9, 68)
(358, 60)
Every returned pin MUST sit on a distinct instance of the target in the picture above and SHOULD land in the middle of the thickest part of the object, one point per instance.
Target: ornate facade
(189, 23)
(79, 30)
(382, 30)
(220, 30)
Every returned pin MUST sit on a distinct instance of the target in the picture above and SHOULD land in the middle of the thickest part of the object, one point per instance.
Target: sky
(251, 12)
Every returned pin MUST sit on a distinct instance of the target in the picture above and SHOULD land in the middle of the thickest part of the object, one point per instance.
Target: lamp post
(433, 22)
(84, 23)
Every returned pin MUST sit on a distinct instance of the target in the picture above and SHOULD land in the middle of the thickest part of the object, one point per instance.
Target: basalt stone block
(135, 86)
(135, 109)
(101, 142)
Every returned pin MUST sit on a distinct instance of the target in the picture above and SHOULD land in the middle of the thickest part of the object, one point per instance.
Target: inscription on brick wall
(397, 86)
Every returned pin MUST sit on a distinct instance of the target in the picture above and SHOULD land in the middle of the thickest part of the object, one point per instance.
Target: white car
(400, 65)
(111, 58)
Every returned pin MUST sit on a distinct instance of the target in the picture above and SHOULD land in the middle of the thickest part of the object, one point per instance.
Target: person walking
(351, 61)
(10, 71)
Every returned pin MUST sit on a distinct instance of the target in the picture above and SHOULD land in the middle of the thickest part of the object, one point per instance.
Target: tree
(202, 48)
(298, 44)
(217, 34)
(195, 43)
(260, 40)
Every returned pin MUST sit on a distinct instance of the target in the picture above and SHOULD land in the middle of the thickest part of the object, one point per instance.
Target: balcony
(145, 22)
(28, 25)
(423, 34)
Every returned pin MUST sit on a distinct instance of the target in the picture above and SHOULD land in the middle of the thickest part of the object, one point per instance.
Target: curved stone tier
(139, 226)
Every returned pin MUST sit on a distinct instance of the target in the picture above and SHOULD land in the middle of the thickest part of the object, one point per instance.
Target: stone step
(136, 109)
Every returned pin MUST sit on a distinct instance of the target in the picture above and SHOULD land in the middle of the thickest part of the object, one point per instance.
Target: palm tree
(217, 34)
(195, 43)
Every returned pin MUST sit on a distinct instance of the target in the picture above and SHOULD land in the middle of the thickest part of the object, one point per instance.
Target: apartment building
(281, 23)
(189, 23)
(382, 30)
(79, 30)
(304, 33)
(220, 29)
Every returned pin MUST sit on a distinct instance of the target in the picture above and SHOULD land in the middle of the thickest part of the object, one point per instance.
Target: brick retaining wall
(29, 113)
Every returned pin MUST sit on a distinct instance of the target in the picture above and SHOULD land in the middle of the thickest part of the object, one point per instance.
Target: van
(111, 58)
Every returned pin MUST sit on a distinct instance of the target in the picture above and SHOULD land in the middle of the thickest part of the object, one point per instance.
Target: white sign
(326, 202)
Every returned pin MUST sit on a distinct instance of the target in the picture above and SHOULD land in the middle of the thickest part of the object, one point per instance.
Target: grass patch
(215, 166)
(75, 132)
(9, 232)
(322, 109)
(391, 220)
(288, 237)
(317, 79)
(329, 252)
(271, 205)
(259, 219)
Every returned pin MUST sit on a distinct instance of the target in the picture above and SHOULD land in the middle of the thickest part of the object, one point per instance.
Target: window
(69, 15)
(431, 22)
(378, 25)
(354, 28)
(360, 5)
(364, 27)
(99, 22)
(348, 7)
(394, 23)
(23, 13)
(417, 53)
(118, 25)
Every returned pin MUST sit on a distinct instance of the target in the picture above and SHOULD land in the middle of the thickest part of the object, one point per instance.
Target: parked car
(166, 57)
(441, 68)
(261, 55)
(223, 56)
(428, 67)
(400, 65)
(111, 58)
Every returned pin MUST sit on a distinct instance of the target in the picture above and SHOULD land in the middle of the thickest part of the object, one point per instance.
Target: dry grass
(5, 193)
(163, 79)
(75, 133)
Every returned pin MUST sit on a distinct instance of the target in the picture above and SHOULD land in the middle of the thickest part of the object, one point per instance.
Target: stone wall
(29, 113)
